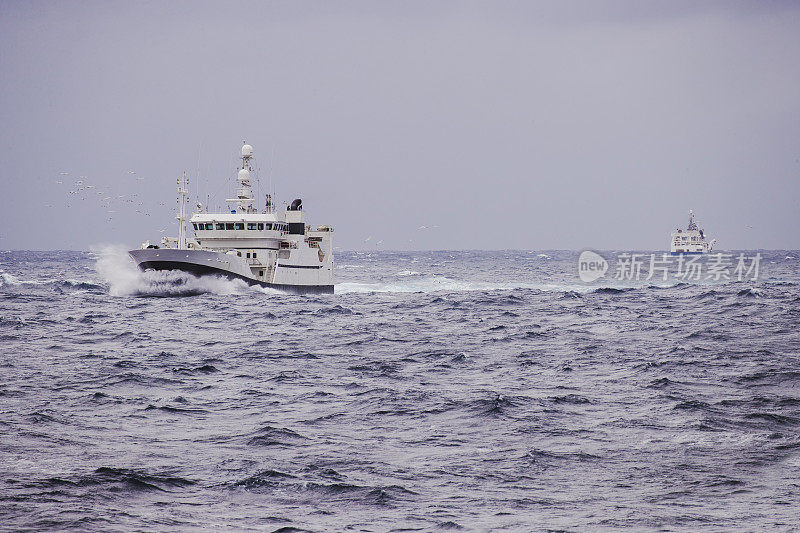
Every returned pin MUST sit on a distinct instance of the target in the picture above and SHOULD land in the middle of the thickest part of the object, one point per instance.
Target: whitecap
(445, 284)
(124, 278)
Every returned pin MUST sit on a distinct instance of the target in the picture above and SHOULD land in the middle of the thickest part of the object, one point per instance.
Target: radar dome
(244, 174)
(247, 150)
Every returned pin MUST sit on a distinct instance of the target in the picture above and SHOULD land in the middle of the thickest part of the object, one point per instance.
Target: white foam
(117, 268)
(444, 284)
(408, 273)
(124, 278)
(8, 279)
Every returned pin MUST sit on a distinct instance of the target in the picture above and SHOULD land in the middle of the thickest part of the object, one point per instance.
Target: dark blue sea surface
(486, 391)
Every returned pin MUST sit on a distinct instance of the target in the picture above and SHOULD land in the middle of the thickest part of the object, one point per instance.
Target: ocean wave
(612, 290)
(119, 480)
(83, 285)
(275, 436)
(750, 292)
(268, 480)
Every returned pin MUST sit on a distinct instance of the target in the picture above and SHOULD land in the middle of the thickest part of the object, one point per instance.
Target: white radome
(244, 175)
(247, 150)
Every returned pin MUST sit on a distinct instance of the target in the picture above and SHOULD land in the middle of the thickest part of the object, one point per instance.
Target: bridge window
(239, 225)
(209, 226)
(220, 225)
(268, 226)
(260, 227)
(254, 255)
(229, 225)
(248, 255)
(251, 226)
(195, 226)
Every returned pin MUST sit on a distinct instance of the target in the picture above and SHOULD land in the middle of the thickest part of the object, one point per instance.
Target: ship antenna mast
(692, 225)
(183, 197)
(244, 194)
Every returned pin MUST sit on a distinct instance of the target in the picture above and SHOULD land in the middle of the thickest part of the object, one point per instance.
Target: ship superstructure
(268, 248)
(692, 240)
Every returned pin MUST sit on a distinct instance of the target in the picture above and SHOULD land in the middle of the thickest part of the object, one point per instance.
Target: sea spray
(124, 278)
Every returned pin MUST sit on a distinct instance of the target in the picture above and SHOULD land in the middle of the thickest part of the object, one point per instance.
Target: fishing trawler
(266, 248)
(692, 240)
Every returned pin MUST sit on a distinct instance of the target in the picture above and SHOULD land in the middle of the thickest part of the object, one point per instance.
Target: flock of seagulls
(81, 190)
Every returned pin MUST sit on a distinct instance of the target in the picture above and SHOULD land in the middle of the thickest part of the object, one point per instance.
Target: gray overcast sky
(528, 125)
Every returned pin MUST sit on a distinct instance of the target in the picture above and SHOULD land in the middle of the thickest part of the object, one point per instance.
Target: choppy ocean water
(434, 391)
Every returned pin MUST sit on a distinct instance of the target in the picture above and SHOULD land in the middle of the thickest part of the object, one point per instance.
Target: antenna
(183, 193)
(244, 194)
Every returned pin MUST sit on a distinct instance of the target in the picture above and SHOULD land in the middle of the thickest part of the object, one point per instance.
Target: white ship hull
(296, 278)
(259, 247)
(691, 241)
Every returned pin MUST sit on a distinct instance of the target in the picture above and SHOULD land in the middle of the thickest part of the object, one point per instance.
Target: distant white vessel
(692, 240)
(262, 248)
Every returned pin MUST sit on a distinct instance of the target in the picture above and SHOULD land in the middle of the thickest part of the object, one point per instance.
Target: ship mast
(244, 194)
(183, 197)
(692, 225)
